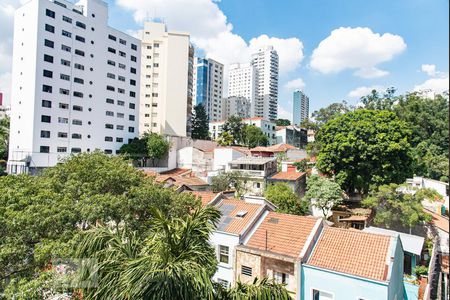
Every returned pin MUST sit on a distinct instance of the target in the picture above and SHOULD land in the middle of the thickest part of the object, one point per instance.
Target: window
(123, 42)
(154, 94)
(50, 13)
(247, 271)
(122, 66)
(130, 129)
(47, 73)
(319, 295)
(133, 70)
(121, 91)
(110, 113)
(64, 91)
(111, 37)
(281, 277)
(47, 88)
(78, 94)
(64, 77)
(79, 66)
(61, 149)
(48, 58)
(112, 50)
(75, 150)
(120, 115)
(132, 82)
(111, 63)
(62, 134)
(81, 25)
(65, 62)
(46, 103)
(108, 139)
(110, 75)
(77, 108)
(120, 102)
(132, 106)
(156, 65)
(79, 52)
(49, 43)
(44, 149)
(224, 255)
(77, 122)
(63, 120)
(76, 136)
(109, 126)
(131, 118)
(63, 105)
(133, 58)
(80, 38)
(156, 45)
(133, 46)
(108, 151)
(67, 19)
(110, 88)
(65, 48)
(78, 80)
(119, 127)
(133, 94)
(45, 134)
(49, 28)
(122, 54)
(119, 140)
(149, 47)
(109, 100)
(46, 119)
(66, 34)
(121, 78)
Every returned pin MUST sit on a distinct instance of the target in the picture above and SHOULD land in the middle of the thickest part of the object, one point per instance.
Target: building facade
(292, 135)
(208, 87)
(75, 83)
(265, 62)
(166, 81)
(242, 83)
(301, 107)
(235, 106)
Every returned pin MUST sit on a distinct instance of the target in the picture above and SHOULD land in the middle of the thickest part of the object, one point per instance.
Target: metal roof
(411, 243)
(253, 160)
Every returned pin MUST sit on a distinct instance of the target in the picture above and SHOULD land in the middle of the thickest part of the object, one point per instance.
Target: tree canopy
(363, 148)
(157, 146)
(282, 122)
(253, 136)
(326, 114)
(234, 126)
(200, 123)
(323, 193)
(285, 199)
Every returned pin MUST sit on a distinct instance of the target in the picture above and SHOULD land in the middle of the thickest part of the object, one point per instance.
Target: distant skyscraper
(301, 107)
(235, 106)
(265, 62)
(241, 82)
(208, 86)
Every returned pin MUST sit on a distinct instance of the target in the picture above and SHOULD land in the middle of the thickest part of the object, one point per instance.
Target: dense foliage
(364, 148)
(253, 136)
(200, 123)
(234, 126)
(323, 193)
(285, 199)
(282, 122)
(150, 146)
(239, 133)
(4, 142)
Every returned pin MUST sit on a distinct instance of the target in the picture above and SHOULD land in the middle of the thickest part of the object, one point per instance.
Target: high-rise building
(301, 107)
(166, 81)
(235, 106)
(265, 62)
(208, 86)
(242, 82)
(75, 83)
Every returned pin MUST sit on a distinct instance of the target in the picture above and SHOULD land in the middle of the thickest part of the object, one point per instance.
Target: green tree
(285, 199)
(323, 193)
(225, 139)
(364, 148)
(253, 136)
(282, 122)
(234, 126)
(259, 289)
(136, 149)
(303, 165)
(379, 102)
(394, 208)
(4, 138)
(229, 180)
(309, 125)
(157, 146)
(326, 114)
(200, 123)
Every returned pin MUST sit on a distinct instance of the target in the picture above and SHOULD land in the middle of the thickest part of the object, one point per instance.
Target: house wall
(396, 287)
(250, 260)
(341, 286)
(225, 271)
(271, 265)
(222, 156)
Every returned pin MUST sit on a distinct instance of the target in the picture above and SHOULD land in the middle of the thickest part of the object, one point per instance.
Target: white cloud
(211, 32)
(429, 69)
(356, 48)
(295, 84)
(364, 91)
(284, 114)
(437, 85)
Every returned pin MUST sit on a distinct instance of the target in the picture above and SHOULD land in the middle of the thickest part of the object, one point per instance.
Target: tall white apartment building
(242, 82)
(265, 62)
(75, 83)
(235, 106)
(208, 86)
(166, 81)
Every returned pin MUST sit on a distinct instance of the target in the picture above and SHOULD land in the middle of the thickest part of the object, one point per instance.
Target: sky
(332, 50)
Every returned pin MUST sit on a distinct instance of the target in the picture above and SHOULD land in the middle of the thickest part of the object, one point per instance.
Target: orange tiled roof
(179, 176)
(290, 176)
(274, 148)
(352, 252)
(439, 221)
(286, 234)
(189, 181)
(205, 196)
(237, 224)
(176, 171)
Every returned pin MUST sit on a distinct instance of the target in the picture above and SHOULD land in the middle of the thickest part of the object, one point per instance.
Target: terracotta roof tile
(229, 208)
(274, 148)
(439, 221)
(205, 196)
(286, 234)
(352, 252)
(291, 176)
(176, 171)
(189, 181)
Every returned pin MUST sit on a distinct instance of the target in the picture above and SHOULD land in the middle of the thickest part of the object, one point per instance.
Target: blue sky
(333, 50)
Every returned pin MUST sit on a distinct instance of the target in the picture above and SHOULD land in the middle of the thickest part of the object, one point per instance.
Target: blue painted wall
(411, 291)
(396, 280)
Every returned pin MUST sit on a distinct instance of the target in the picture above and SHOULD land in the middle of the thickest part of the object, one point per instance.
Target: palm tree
(263, 289)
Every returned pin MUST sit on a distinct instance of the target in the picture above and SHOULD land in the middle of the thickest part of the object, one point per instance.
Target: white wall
(225, 271)
(222, 156)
